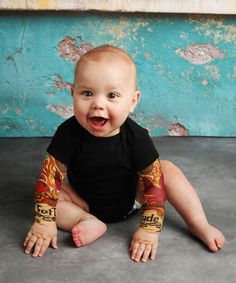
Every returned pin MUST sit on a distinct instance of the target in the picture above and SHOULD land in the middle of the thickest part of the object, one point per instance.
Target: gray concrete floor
(209, 164)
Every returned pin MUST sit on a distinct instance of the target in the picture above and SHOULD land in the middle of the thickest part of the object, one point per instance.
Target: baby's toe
(213, 246)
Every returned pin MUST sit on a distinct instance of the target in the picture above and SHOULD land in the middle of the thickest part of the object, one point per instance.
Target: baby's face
(104, 95)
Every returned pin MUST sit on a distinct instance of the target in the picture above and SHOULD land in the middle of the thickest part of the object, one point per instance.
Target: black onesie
(103, 170)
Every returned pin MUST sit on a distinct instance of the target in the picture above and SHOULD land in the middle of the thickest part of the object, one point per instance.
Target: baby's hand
(39, 238)
(143, 245)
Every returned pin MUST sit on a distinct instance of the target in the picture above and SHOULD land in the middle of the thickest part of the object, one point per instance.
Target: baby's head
(104, 90)
(107, 54)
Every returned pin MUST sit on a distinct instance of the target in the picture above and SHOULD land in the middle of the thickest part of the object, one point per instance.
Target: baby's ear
(135, 100)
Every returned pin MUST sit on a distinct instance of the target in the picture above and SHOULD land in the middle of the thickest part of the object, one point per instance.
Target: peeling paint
(37, 99)
(200, 54)
(5, 109)
(160, 6)
(63, 111)
(146, 55)
(234, 72)
(121, 29)
(69, 50)
(117, 28)
(204, 82)
(178, 130)
(18, 111)
(150, 122)
(59, 84)
(214, 27)
(214, 71)
(51, 93)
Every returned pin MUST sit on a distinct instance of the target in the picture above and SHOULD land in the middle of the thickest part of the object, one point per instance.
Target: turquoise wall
(186, 69)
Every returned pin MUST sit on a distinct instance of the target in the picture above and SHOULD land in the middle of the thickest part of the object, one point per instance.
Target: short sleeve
(143, 151)
(61, 146)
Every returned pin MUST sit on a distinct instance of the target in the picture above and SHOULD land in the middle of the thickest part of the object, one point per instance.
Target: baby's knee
(167, 165)
(103, 227)
(169, 169)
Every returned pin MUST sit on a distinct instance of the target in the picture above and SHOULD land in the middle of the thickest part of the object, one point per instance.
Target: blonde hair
(111, 51)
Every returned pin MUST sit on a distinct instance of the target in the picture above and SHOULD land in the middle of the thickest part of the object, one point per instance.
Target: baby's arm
(145, 239)
(44, 231)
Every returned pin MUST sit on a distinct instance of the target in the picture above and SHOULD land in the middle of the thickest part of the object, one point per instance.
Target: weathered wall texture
(186, 66)
(159, 6)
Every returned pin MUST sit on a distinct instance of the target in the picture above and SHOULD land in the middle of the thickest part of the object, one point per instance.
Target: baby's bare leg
(85, 227)
(183, 197)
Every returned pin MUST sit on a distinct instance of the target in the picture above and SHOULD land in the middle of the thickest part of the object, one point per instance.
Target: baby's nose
(98, 103)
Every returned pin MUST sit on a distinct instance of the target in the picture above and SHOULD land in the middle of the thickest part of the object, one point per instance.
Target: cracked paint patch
(18, 111)
(63, 111)
(204, 82)
(68, 49)
(214, 71)
(59, 84)
(215, 27)
(5, 109)
(178, 130)
(149, 121)
(233, 74)
(200, 54)
(121, 29)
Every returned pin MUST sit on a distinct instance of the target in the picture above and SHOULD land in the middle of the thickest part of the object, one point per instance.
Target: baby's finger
(38, 247)
(29, 235)
(146, 252)
(134, 248)
(139, 252)
(44, 247)
(153, 251)
(31, 242)
(54, 242)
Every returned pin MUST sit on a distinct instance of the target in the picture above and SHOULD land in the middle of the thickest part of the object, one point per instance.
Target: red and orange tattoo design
(47, 191)
(154, 198)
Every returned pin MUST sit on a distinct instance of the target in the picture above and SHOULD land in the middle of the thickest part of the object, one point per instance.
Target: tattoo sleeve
(47, 190)
(154, 198)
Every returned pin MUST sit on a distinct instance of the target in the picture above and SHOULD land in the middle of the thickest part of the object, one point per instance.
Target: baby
(111, 167)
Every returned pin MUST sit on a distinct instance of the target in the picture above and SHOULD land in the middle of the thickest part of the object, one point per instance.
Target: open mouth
(98, 121)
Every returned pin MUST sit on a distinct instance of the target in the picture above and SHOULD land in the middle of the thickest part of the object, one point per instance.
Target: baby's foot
(210, 235)
(87, 231)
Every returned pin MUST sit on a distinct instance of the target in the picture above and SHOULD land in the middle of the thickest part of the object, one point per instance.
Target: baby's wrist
(152, 219)
(148, 231)
(44, 213)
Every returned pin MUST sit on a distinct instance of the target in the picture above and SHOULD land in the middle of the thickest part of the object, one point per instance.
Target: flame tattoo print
(47, 191)
(154, 198)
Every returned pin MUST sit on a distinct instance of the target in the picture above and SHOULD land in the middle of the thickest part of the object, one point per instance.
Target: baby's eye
(87, 93)
(112, 95)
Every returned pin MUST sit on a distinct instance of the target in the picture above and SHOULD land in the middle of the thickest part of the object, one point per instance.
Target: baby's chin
(102, 133)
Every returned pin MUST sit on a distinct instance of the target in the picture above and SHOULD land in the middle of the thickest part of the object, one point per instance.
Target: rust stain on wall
(200, 54)
(178, 130)
(68, 49)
